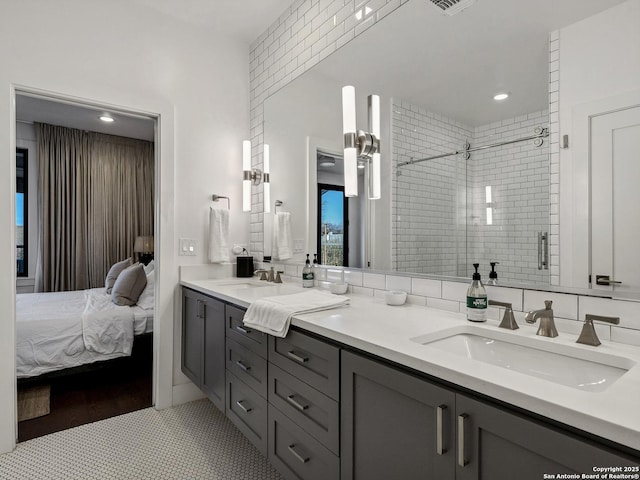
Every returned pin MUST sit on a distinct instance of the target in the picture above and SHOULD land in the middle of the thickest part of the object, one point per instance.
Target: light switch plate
(298, 245)
(187, 247)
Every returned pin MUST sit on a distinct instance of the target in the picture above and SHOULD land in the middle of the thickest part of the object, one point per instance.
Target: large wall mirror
(465, 178)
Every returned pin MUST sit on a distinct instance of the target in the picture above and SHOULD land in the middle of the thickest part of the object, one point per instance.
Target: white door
(615, 200)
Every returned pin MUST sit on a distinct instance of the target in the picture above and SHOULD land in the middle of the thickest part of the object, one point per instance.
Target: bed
(60, 330)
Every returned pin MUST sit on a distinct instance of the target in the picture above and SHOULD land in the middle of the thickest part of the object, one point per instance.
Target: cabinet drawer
(247, 366)
(254, 340)
(295, 454)
(317, 414)
(248, 411)
(312, 361)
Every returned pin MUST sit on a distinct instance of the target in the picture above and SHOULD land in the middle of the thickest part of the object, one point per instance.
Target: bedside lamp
(144, 248)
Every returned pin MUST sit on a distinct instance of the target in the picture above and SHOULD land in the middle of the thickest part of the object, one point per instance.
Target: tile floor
(190, 441)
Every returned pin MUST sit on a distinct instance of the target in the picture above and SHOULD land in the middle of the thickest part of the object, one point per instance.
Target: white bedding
(50, 335)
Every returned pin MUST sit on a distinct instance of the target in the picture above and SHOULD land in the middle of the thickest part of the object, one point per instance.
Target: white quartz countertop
(372, 326)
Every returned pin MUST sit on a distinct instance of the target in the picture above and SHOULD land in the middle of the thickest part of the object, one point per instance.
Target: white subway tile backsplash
(563, 305)
(334, 275)
(353, 278)
(398, 283)
(426, 287)
(374, 280)
(627, 311)
(509, 295)
(441, 304)
(455, 291)
(625, 335)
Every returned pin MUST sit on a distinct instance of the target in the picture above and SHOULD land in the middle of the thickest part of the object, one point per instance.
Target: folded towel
(272, 315)
(218, 235)
(282, 239)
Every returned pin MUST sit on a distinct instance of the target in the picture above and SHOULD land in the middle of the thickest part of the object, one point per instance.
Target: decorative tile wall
(554, 155)
(306, 33)
(443, 225)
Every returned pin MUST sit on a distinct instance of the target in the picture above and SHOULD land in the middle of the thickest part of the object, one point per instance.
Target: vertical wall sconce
(246, 179)
(254, 177)
(358, 143)
(265, 179)
(489, 201)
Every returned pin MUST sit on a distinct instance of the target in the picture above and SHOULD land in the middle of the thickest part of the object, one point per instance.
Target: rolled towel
(218, 235)
(282, 238)
(273, 315)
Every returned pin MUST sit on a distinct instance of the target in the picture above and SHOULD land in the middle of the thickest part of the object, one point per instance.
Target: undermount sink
(562, 364)
(244, 284)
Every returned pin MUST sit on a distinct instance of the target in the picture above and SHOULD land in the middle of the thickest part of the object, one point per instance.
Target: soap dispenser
(307, 274)
(493, 275)
(476, 299)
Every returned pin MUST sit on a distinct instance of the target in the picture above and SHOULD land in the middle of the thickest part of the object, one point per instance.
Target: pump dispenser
(307, 274)
(476, 299)
(493, 275)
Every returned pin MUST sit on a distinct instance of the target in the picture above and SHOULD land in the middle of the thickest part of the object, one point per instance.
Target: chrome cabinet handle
(296, 404)
(440, 450)
(243, 330)
(297, 455)
(243, 366)
(605, 280)
(246, 409)
(543, 250)
(461, 460)
(297, 357)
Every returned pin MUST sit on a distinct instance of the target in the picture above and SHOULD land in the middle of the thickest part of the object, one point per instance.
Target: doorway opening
(64, 379)
(333, 226)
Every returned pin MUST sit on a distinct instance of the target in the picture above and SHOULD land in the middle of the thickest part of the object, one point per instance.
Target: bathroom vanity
(371, 391)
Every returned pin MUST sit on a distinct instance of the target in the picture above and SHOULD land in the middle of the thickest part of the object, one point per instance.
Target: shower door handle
(605, 280)
(543, 250)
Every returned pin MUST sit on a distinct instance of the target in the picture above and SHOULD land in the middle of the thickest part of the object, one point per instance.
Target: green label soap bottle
(476, 299)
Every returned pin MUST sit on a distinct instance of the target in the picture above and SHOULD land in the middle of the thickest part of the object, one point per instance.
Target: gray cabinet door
(192, 330)
(390, 424)
(214, 353)
(494, 444)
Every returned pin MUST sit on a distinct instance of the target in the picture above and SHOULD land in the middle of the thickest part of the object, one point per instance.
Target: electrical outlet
(298, 245)
(187, 247)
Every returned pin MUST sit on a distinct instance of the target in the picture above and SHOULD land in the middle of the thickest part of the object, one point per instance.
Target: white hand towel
(273, 315)
(282, 239)
(218, 235)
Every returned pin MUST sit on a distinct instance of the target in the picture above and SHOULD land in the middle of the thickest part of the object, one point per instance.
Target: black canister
(244, 266)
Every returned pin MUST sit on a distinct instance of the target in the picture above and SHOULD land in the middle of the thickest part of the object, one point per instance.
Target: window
(333, 237)
(21, 212)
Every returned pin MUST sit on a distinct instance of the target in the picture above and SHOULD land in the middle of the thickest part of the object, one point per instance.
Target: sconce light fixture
(358, 143)
(253, 176)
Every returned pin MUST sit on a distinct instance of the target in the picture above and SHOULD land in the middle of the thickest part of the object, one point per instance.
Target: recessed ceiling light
(106, 118)
(327, 161)
(360, 164)
(501, 96)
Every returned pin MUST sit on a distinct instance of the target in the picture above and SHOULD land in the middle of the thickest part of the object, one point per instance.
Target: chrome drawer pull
(297, 357)
(297, 455)
(246, 410)
(244, 367)
(243, 330)
(461, 460)
(440, 450)
(296, 404)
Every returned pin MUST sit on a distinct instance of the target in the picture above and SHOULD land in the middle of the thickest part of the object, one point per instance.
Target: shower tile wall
(441, 227)
(428, 231)
(519, 178)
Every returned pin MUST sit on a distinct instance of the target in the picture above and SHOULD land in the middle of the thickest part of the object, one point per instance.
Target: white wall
(124, 55)
(598, 59)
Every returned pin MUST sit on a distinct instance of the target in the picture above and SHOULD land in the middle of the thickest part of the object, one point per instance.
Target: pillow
(129, 285)
(147, 299)
(149, 268)
(113, 273)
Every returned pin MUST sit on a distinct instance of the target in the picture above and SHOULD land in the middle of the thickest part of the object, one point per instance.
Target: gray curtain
(95, 197)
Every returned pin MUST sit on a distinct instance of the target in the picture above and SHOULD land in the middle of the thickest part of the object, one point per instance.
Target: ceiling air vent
(451, 7)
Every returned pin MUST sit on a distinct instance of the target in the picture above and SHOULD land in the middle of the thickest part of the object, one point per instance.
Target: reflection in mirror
(437, 76)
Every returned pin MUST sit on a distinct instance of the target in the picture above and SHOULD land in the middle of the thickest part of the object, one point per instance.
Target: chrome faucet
(588, 335)
(508, 320)
(547, 326)
(268, 275)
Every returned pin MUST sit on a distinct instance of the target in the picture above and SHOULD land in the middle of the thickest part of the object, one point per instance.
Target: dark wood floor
(110, 388)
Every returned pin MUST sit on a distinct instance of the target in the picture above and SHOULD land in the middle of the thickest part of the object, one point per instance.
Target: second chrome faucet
(547, 326)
